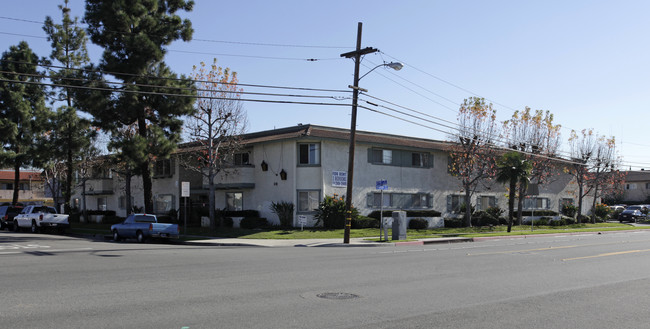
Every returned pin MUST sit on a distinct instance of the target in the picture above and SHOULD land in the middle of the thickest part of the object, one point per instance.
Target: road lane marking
(553, 248)
(48, 251)
(607, 254)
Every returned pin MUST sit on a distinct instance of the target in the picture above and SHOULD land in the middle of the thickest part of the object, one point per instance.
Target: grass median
(194, 233)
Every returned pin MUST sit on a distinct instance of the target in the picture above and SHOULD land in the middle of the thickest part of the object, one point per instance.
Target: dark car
(7, 214)
(632, 214)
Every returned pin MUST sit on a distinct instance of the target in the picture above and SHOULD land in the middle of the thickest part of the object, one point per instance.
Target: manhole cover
(337, 295)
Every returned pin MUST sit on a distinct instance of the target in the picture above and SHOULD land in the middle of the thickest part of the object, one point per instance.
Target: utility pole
(353, 127)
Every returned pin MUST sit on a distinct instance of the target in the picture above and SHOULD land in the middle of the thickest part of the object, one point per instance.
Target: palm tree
(513, 169)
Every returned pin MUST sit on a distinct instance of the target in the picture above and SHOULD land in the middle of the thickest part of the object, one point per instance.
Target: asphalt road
(588, 281)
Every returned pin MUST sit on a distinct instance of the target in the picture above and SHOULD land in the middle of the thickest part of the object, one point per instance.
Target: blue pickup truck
(142, 227)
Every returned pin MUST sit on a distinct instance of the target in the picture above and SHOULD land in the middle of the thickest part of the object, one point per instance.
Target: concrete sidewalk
(354, 242)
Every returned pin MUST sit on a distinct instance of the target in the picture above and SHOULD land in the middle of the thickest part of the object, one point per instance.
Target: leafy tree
(23, 113)
(216, 125)
(472, 156)
(70, 133)
(538, 138)
(134, 35)
(513, 169)
(603, 173)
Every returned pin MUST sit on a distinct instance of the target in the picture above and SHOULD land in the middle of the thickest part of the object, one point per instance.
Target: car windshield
(633, 208)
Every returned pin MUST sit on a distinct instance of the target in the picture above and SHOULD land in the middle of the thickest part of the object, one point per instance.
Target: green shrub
(495, 212)
(602, 210)
(418, 224)
(483, 218)
(541, 222)
(558, 222)
(239, 213)
(365, 222)
(227, 222)
(569, 210)
(331, 213)
(253, 222)
(284, 211)
(544, 212)
(454, 222)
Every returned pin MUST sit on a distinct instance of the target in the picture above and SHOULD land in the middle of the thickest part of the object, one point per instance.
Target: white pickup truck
(41, 217)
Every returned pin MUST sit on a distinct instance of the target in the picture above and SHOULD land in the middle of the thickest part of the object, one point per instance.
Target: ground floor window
(454, 202)
(400, 200)
(121, 202)
(485, 201)
(164, 203)
(537, 203)
(234, 201)
(308, 200)
(101, 203)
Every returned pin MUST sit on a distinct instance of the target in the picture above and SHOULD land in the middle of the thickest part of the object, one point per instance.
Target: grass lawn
(318, 233)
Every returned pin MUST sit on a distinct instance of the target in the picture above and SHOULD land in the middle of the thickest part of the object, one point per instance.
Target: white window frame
(233, 203)
(313, 154)
(308, 201)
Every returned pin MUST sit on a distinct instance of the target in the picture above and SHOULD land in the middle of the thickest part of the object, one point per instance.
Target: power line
(178, 79)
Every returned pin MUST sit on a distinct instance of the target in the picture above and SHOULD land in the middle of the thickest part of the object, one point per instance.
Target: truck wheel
(116, 236)
(2, 225)
(139, 236)
(15, 227)
(34, 227)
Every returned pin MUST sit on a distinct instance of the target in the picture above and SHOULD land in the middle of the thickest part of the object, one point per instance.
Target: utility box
(399, 225)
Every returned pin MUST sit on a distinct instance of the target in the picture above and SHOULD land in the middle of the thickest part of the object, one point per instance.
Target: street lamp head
(395, 65)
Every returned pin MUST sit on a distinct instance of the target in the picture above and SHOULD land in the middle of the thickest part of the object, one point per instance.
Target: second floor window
(163, 168)
(309, 154)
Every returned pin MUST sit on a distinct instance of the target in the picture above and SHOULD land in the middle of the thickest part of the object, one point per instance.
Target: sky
(584, 61)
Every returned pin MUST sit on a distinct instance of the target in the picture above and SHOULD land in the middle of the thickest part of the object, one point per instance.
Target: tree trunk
(211, 200)
(83, 196)
(14, 199)
(520, 202)
(593, 206)
(68, 179)
(145, 170)
(468, 208)
(511, 203)
(579, 202)
(127, 191)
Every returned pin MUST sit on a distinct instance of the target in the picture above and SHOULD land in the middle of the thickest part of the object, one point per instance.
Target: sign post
(302, 220)
(185, 193)
(382, 185)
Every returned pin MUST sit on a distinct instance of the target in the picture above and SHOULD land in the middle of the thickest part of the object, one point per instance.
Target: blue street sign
(382, 184)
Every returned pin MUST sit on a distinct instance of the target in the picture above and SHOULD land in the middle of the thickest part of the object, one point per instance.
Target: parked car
(40, 217)
(7, 214)
(142, 227)
(632, 214)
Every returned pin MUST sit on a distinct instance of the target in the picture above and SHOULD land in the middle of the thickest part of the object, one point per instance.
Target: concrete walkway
(354, 242)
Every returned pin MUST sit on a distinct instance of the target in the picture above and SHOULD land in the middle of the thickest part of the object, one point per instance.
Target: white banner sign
(339, 178)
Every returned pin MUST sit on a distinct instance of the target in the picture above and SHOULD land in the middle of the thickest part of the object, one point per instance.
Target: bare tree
(473, 156)
(535, 135)
(582, 148)
(216, 126)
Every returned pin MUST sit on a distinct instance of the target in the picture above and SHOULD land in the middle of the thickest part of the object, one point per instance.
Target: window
(163, 168)
(163, 203)
(242, 159)
(309, 154)
(101, 203)
(454, 202)
(630, 186)
(234, 201)
(485, 201)
(537, 203)
(308, 200)
(381, 156)
(7, 186)
(400, 200)
(75, 203)
(422, 160)
(647, 186)
(122, 202)
(101, 173)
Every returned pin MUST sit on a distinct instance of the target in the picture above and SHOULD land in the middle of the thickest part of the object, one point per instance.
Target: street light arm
(393, 65)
